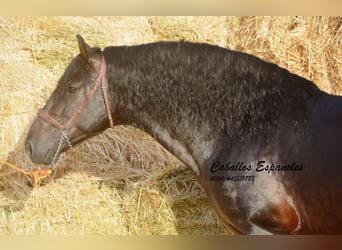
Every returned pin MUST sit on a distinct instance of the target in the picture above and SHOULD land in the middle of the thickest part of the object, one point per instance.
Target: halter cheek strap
(43, 114)
(101, 80)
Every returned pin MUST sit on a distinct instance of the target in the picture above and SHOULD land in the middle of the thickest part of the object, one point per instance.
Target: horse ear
(87, 52)
(85, 49)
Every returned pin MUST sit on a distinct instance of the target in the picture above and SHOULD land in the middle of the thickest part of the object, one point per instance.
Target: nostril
(28, 148)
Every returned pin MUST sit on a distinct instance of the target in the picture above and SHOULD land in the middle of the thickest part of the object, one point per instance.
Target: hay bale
(123, 182)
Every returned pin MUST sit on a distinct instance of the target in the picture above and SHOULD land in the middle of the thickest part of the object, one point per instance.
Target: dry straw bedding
(123, 182)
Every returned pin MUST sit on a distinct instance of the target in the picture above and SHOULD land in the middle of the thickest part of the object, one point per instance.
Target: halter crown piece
(43, 114)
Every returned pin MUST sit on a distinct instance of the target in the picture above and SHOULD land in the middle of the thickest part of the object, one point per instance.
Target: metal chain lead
(64, 138)
(64, 135)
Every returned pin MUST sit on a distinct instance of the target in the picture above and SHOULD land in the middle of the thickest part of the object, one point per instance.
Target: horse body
(298, 202)
(227, 115)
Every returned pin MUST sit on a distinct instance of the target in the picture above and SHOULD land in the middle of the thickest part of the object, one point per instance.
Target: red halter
(43, 114)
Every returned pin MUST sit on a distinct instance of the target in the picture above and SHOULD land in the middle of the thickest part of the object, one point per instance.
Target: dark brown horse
(265, 144)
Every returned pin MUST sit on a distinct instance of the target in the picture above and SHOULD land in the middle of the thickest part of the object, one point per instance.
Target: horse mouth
(51, 155)
(44, 159)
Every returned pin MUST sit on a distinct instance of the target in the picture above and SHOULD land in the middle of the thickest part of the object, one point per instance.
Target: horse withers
(264, 143)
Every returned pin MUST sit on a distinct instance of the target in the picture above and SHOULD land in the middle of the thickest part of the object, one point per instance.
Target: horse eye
(71, 90)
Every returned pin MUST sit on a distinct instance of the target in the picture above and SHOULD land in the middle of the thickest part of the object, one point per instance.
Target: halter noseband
(43, 114)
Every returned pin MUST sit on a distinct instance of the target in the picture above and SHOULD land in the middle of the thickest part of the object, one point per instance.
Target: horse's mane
(238, 94)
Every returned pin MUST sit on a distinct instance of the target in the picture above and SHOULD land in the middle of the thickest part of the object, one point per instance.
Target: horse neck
(158, 108)
(180, 95)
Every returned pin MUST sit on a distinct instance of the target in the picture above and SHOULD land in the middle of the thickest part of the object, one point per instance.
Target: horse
(265, 144)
